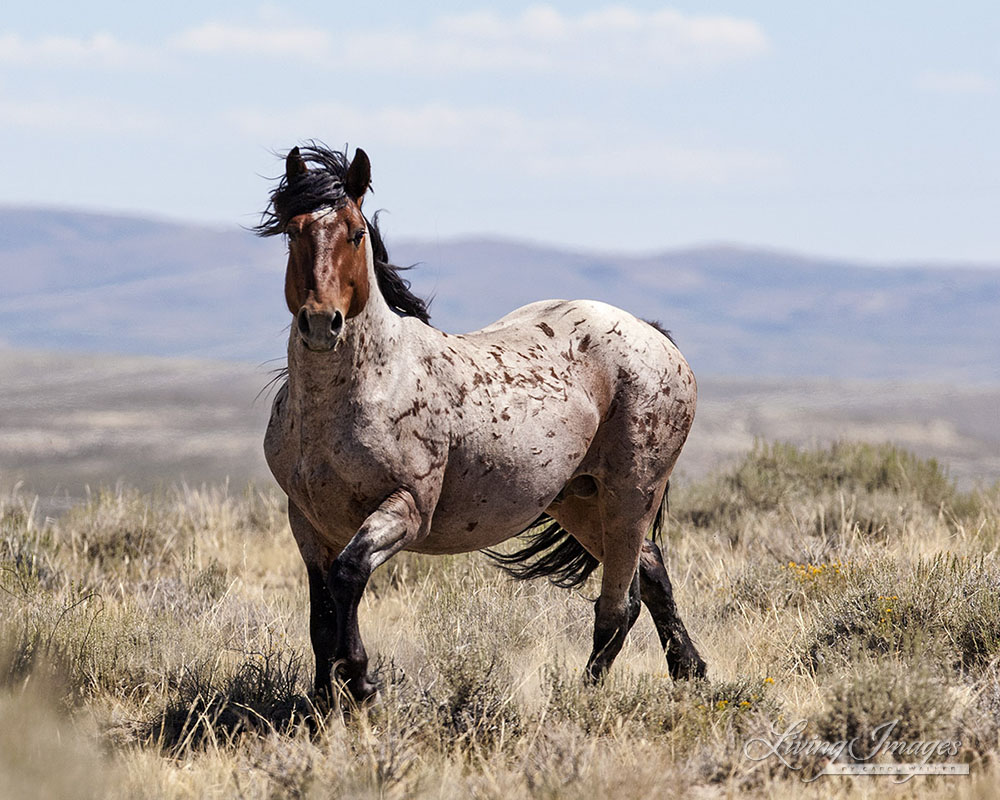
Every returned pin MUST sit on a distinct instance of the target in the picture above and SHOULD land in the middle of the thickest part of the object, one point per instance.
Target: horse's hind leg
(683, 660)
(618, 606)
(610, 631)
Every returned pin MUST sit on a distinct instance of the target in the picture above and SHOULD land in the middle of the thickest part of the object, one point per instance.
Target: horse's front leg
(322, 612)
(395, 524)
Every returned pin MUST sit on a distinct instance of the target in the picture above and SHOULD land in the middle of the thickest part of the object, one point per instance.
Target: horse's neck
(364, 349)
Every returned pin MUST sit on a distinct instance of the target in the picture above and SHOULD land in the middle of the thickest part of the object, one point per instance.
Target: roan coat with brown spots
(392, 435)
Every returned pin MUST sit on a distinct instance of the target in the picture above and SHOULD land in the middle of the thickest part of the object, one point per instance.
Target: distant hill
(126, 285)
(121, 285)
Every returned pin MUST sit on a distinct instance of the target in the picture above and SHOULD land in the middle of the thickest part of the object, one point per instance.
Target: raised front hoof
(687, 665)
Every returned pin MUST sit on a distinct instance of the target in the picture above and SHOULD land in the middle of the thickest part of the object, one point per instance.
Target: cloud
(615, 41)
(956, 83)
(101, 49)
(91, 116)
(218, 38)
(490, 135)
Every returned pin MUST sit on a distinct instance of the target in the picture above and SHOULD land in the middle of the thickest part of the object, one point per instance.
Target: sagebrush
(157, 646)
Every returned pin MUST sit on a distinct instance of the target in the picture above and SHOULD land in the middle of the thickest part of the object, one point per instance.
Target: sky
(850, 129)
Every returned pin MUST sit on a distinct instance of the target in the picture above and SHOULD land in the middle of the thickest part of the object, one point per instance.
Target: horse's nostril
(336, 323)
(303, 322)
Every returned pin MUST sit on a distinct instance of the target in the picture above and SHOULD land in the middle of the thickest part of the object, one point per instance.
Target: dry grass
(157, 646)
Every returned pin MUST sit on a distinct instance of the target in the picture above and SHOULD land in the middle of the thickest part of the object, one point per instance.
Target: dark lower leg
(347, 584)
(384, 533)
(323, 633)
(610, 631)
(683, 660)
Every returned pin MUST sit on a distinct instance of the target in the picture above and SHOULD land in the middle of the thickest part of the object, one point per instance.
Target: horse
(562, 421)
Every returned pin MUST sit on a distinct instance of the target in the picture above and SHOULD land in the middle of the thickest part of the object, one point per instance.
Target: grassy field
(156, 645)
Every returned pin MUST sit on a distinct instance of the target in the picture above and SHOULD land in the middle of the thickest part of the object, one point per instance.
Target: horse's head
(327, 281)
(332, 249)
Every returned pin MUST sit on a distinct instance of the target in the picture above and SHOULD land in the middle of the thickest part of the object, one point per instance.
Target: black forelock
(320, 185)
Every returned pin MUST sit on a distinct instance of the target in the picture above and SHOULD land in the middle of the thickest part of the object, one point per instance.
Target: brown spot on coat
(546, 329)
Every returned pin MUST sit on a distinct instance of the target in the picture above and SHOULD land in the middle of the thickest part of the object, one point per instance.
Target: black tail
(551, 552)
(656, 534)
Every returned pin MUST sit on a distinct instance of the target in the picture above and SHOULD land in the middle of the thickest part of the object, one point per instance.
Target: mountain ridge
(109, 283)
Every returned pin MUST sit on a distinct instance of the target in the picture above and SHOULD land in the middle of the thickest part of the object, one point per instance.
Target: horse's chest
(332, 478)
(337, 495)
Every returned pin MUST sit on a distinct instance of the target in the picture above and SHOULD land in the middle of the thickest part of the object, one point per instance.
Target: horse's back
(603, 337)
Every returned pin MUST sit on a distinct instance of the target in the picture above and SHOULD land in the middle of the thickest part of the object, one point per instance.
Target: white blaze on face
(319, 230)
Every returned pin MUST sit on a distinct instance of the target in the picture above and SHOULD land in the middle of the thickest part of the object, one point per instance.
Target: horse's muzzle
(319, 329)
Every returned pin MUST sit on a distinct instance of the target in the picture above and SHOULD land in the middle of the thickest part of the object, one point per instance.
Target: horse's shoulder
(275, 441)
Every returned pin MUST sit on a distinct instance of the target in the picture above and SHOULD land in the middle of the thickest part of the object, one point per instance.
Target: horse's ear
(295, 165)
(359, 176)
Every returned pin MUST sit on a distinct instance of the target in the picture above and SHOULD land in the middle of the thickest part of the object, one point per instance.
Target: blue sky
(857, 129)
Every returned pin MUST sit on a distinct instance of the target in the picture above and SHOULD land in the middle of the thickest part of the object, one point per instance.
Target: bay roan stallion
(564, 418)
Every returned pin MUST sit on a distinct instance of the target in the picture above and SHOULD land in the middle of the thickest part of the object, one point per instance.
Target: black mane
(323, 185)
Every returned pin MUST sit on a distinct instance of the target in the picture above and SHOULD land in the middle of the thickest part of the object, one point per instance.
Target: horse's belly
(494, 489)
(460, 527)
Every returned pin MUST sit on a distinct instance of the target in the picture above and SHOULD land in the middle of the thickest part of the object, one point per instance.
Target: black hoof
(322, 698)
(362, 690)
(592, 677)
(355, 685)
(689, 666)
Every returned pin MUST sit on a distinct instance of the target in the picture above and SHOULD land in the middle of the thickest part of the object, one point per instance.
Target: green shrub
(946, 608)
(772, 475)
(888, 698)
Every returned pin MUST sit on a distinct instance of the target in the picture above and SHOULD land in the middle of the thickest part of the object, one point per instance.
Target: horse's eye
(357, 236)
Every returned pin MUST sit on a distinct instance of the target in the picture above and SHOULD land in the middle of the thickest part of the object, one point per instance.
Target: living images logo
(881, 754)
